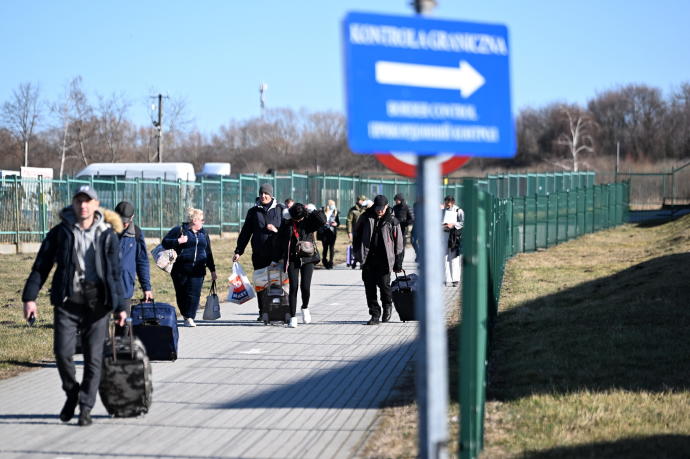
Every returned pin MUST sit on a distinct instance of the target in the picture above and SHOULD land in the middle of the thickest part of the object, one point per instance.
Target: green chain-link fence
(496, 229)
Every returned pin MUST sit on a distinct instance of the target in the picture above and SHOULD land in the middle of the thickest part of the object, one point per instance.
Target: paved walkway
(238, 389)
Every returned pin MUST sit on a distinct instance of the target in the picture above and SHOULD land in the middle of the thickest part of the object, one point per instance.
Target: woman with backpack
(299, 255)
(194, 255)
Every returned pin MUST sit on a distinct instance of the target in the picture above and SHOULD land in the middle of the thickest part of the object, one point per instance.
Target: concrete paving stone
(239, 388)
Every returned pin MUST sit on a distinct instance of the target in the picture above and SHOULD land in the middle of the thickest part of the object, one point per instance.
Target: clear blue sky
(215, 53)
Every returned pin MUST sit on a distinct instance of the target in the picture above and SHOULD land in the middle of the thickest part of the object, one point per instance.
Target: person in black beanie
(379, 246)
(403, 213)
(261, 226)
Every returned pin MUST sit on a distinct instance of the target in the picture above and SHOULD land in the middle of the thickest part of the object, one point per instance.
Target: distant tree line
(75, 130)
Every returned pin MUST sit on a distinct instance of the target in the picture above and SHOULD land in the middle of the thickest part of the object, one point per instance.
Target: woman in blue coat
(194, 255)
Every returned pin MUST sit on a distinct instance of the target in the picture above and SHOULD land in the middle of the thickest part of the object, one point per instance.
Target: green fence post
(220, 209)
(16, 212)
(160, 208)
(473, 330)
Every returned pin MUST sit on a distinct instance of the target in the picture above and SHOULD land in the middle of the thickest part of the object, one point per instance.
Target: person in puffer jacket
(86, 291)
(261, 226)
(194, 255)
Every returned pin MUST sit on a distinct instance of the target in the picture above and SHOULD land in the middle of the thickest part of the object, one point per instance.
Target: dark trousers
(294, 271)
(187, 292)
(93, 326)
(374, 278)
(328, 246)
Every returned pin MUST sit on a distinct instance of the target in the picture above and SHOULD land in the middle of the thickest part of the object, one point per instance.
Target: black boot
(373, 321)
(67, 412)
(387, 310)
(85, 416)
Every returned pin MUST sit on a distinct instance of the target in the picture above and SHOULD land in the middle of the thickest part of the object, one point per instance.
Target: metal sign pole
(432, 360)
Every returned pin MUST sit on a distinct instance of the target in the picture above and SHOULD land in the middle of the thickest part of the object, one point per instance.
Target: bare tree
(578, 136)
(21, 114)
(112, 123)
(82, 114)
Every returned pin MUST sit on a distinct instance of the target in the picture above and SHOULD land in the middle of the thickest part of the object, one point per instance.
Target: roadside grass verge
(590, 356)
(23, 348)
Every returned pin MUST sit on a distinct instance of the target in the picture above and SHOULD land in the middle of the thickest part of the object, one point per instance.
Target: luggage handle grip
(405, 278)
(141, 311)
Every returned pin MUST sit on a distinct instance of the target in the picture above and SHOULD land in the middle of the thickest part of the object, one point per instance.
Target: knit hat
(361, 197)
(398, 197)
(125, 210)
(266, 188)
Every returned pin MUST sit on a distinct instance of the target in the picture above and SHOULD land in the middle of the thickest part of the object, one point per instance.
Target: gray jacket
(392, 238)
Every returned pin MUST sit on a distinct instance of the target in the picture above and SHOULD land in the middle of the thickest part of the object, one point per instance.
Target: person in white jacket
(453, 222)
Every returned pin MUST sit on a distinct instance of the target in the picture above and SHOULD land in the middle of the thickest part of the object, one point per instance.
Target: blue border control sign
(427, 86)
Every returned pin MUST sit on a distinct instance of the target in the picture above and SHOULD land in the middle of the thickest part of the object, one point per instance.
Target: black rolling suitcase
(404, 289)
(155, 324)
(275, 304)
(126, 387)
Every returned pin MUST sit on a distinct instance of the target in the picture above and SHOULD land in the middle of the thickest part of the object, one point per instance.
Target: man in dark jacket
(261, 226)
(86, 289)
(403, 213)
(378, 245)
(352, 216)
(134, 259)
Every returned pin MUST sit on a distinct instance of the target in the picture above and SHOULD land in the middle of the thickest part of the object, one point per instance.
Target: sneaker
(189, 322)
(293, 322)
(306, 316)
(85, 417)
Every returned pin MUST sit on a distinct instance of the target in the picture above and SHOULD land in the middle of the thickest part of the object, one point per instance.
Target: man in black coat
(403, 213)
(261, 226)
(86, 290)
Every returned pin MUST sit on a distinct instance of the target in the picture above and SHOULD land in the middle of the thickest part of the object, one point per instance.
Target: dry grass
(590, 357)
(23, 347)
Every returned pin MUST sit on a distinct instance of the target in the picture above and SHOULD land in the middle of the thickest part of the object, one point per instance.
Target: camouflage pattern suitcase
(126, 387)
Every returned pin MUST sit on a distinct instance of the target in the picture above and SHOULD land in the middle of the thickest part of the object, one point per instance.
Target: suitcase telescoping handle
(141, 310)
(403, 278)
(130, 332)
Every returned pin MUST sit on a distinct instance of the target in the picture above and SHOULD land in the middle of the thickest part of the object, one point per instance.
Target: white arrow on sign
(465, 78)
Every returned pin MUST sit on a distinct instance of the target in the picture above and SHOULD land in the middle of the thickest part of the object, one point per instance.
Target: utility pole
(263, 87)
(158, 124)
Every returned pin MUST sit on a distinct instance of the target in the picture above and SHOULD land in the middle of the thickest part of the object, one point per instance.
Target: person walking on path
(194, 255)
(379, 247)
(453, 222)
(352, 216)
(416, 232)
(300, 255)
(403, 213)
(134, 260)
(261, 226)
(328, 233)
(86, 290)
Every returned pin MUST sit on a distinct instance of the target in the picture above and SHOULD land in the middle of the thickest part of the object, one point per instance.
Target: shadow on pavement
(657, 446)
(362, 384)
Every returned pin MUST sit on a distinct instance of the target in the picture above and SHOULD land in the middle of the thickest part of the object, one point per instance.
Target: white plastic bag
(240, 290)
(165, 259)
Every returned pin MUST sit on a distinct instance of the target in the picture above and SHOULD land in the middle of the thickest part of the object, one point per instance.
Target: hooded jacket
(402, 211)
(392, 238)
(58, 248)
(134, 260)
(195, 255)
(264, 242)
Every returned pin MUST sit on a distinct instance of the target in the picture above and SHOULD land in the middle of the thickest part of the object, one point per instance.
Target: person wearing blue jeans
(194, 255)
